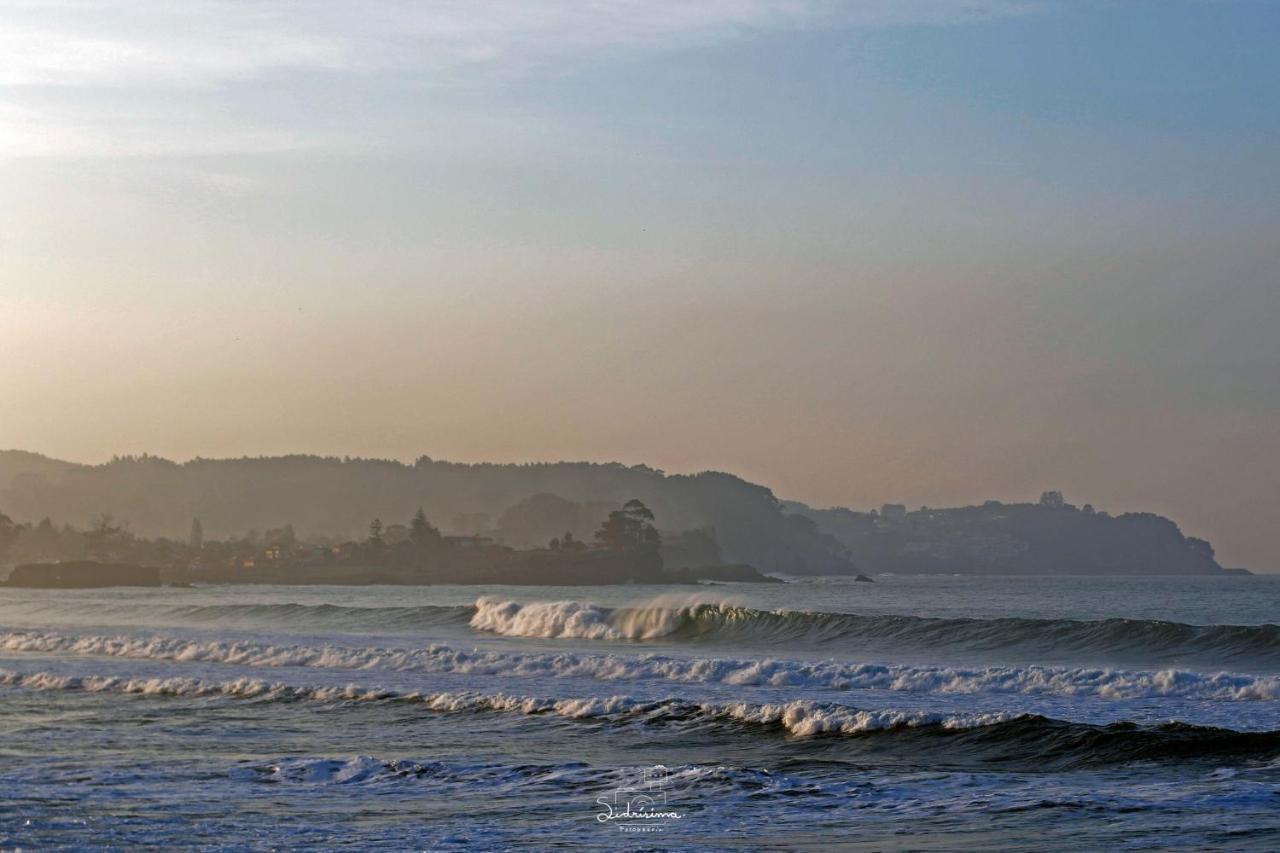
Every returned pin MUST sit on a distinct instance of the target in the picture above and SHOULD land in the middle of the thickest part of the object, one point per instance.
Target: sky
(918, 251)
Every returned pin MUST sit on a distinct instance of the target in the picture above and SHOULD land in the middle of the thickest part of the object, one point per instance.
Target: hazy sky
(895, 250)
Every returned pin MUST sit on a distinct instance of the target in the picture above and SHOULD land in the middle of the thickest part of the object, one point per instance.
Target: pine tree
(421, 533)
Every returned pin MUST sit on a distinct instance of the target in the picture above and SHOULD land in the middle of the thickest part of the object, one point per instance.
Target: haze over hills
(1050, 537)
(526, 504)
(334, 497)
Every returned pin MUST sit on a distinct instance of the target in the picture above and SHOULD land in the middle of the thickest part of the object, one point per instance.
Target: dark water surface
(921, 713)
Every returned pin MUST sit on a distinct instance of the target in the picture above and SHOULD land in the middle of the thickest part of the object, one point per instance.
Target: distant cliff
(1047, 538)
(338, 498)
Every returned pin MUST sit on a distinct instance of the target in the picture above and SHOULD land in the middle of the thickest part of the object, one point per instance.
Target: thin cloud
(109, 79)
(207, 42)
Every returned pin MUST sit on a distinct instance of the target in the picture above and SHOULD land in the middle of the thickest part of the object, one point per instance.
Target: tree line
(109, 540)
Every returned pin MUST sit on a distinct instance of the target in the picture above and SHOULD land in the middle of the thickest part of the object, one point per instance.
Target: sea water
(913, 712)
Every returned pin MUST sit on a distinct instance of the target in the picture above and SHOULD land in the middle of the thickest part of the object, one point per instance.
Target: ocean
(924, 713)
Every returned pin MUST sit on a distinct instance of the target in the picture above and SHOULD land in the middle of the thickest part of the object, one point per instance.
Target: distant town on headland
(311, 519)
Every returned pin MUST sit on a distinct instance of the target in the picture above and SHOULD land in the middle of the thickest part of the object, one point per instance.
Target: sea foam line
(1103, 683)
(800, 717)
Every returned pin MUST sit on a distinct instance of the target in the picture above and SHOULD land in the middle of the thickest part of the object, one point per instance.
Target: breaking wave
(691, 620)
(1104, 683)
(660, 617)
(800, 717)
(726, 622)
(985, 737)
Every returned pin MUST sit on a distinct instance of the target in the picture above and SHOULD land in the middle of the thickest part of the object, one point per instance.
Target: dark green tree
(422, 534)
(629, 528)
(8, 534)
(375, 543)
(107, 539)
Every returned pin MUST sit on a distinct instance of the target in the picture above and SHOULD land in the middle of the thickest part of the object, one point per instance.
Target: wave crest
(659, 617)
(730, 623)
(1106, 683)
(983, 737)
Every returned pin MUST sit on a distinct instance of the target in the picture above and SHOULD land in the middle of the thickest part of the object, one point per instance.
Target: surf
(727, 622)
(1104, 683)
(954, 738)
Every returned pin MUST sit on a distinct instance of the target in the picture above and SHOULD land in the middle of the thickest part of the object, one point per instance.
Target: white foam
(647, 620)
(1104, 683)
(811, 718)
(801, 717)
(550, 619)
